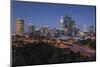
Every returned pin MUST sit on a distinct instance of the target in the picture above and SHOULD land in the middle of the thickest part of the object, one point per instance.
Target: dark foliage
(43, 53)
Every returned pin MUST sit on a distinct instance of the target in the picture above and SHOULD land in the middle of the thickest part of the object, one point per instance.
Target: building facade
(67, 24)
(44, 30)
(31, 28)
(91, 30)
(19, 26)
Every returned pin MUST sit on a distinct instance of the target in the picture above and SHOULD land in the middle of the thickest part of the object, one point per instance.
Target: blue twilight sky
(46, 14)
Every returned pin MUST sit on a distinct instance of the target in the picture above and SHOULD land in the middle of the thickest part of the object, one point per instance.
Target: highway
(84, 51)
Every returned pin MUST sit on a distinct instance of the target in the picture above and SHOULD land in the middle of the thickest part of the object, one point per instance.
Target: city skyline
(46, 14)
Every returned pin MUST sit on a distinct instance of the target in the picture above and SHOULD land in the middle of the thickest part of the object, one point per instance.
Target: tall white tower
(61, 22)
(84, 28)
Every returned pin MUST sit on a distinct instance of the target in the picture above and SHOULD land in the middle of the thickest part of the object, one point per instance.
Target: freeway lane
(85, 51)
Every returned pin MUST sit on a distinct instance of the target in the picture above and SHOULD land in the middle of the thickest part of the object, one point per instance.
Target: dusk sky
(46, 14)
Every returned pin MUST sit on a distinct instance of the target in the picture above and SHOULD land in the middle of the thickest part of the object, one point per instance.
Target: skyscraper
(84, 28)
(91, 29)
(85, 31)
(19, 26)
(62, 22)
(44, 30)
(67, 23)
(31, 28)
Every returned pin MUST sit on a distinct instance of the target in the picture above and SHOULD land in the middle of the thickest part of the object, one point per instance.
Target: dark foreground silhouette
(43, 53)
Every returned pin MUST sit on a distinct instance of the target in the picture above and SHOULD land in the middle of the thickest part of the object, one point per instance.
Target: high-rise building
(19, 26)
(85, 31)
(52, 32)
(84, 28)
(77, 30)
(67, 23)
(31, 28)
(62, 22)
(91, 29)
(44, 30)
(72, 25)
(37, 32)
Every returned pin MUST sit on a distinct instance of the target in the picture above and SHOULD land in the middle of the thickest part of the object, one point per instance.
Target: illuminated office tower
(62, 22)
(44, 30)
(85, 31)
(52, 32)
(77, 30)
(67, 24)
(72, 25)
(84, 28)
(19, 26)
(65, 20)
(31, 28)
(91, 30)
